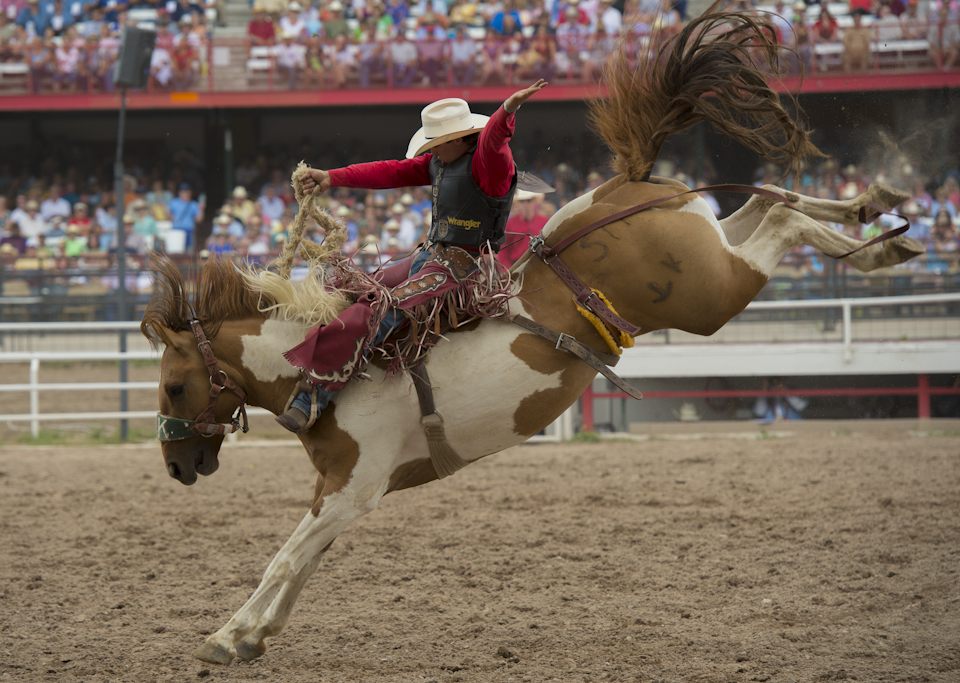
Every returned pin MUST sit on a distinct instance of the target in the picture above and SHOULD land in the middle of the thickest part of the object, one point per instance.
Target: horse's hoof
(213, 653)
(247, 652)
(887, 197)
(905, 248)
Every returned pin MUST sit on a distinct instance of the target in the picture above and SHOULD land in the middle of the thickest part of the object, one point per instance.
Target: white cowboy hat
(444, 120)
(524, 195)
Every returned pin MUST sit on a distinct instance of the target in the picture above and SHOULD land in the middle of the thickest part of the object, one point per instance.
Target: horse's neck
(255, 348)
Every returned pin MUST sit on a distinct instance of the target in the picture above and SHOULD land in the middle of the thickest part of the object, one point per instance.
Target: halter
(177, 429)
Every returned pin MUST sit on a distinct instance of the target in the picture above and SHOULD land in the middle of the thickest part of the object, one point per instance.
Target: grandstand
(230, 115)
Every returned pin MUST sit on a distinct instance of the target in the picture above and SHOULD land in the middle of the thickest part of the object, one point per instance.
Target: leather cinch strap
(595, 359)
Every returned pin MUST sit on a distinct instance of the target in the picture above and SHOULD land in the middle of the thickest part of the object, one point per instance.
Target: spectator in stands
(611, 18)
(436, 7)
(104, 227)
(290, 58)
(492, 69)
(780, 19)
(240, 205)
(403, 61)
(943, 244)
(73, 244)
(90, 63)
(144, 223)
(133, 242)
(68, 57)
(343, 61)
(58, 17)
(41, 60)
(430, 53)
(371, 54)
(108, 48)
(398, 12)
(769, 409)
(31, 18)
(32, 222)
(463, 55)
(81, 217)
(944, 38)
(161, 67)
(336, 25)
(430, 24)
(888, 25)
(54, 205)
(4, 213)
(942, 202)
(856, 44)
(826, 28)
(185, 66)
(462, 12)
(383, 22)
(260, 30)
(220, 241)
(912, 24)
(497, 21)
(185, 213)
(537, 60)
(316, 60)
(802, 41)
(271, 206)
(14, 238)
(525, 221)
(292, 22)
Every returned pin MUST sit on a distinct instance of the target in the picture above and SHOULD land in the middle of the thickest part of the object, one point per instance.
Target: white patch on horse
(572, 208)
(697, 205)
(263, 353)
(472, 359)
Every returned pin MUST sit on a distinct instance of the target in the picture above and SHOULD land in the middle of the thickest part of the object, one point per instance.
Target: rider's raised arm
(381, 175)
(493, 167)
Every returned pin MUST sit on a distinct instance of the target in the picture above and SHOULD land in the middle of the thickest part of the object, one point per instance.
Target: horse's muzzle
(185, 469)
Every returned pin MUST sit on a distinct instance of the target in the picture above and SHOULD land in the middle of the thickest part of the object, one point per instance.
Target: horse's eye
(175, 391)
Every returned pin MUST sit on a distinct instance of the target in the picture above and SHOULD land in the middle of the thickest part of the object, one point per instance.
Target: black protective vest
(463, 214)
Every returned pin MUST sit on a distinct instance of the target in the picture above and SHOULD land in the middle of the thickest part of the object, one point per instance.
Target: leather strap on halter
(205, 424)
(595, 359)
(589, 300)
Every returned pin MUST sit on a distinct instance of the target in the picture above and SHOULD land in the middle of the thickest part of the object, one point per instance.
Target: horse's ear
(158, 334)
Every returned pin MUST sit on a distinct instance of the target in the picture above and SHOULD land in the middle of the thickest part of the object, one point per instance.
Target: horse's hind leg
(783, 228)
(740, 225)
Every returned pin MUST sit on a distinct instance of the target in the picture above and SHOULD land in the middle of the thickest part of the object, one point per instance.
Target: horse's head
(187, 393)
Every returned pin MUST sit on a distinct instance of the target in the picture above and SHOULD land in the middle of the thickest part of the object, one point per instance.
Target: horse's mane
(222, 291)
(714, 70)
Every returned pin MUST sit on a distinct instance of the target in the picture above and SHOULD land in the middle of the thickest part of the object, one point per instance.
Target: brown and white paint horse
(671, 266)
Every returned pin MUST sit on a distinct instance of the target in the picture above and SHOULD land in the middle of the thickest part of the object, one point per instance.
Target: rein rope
(177, 429)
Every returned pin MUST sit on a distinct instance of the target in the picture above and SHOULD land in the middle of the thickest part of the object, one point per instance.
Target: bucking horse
(670, 265)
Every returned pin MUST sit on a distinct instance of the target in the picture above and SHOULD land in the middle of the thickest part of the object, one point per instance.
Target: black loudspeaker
(133, 62)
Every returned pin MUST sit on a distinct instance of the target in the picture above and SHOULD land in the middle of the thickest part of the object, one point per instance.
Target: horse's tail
(711, 71)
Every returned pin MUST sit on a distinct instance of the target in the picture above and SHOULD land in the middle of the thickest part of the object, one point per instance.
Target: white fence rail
(560, 430)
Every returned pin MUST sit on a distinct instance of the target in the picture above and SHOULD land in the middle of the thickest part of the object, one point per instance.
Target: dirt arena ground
(814, 557)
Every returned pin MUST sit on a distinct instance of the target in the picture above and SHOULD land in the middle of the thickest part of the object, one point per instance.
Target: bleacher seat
(14, 76)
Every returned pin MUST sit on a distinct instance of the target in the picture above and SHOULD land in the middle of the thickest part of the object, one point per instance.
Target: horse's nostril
(198, 459)
(173, 470)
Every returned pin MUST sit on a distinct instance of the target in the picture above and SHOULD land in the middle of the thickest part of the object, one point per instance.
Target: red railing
(923, 391)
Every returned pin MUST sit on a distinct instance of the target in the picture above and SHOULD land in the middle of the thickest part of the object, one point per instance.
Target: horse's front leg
(740, 225)
(266, 611)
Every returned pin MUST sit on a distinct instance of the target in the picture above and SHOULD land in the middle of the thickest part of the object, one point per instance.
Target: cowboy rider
(469, 163)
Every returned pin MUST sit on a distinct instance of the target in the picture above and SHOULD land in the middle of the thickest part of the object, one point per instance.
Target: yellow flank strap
(625, 340)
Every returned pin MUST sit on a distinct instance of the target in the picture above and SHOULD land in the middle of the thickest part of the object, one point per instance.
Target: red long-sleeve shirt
(493, 167)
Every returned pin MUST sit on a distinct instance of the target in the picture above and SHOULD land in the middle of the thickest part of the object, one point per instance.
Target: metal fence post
(34, 396)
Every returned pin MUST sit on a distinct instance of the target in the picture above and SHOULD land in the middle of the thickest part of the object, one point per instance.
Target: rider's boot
(297, 416)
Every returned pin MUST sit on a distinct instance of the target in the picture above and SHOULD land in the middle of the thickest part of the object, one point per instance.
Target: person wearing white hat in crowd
(466, 157)
(525, 219)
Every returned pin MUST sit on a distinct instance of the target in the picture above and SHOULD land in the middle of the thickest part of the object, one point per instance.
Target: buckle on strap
(560, 339)
(536, 242)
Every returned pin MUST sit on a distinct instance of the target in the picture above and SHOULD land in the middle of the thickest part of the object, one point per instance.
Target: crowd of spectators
(59, 217)
(72, 45)
(464, 42)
